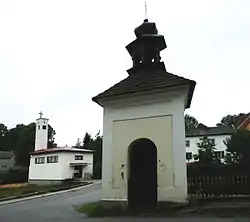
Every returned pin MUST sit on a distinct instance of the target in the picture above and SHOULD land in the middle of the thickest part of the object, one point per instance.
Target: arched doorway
(142, 174)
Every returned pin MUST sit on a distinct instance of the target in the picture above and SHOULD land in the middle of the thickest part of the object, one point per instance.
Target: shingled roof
(210, 131)
(147, 81)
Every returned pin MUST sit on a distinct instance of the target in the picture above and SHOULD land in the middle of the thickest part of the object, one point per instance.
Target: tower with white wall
(42, 126)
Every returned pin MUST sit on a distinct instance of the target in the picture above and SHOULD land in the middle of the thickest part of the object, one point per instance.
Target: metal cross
(146, 9)
(41, 114)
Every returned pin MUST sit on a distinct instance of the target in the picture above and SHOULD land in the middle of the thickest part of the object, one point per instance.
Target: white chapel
(54, 165)
(144, 153)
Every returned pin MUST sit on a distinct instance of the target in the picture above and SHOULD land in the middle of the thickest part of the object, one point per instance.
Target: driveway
(61, 208)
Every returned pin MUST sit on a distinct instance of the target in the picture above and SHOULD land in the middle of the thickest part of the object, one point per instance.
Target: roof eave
(190, 93)
(100, 99)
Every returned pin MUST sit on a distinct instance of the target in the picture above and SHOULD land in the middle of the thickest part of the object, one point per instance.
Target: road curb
(5, 202)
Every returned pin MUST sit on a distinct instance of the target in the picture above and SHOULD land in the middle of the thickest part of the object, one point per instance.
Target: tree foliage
(238, 148)
(87, 142)
(190, 122)
(78, 143)
(230, 120)
(206, 152)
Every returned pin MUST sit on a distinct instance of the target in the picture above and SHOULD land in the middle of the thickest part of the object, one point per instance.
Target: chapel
(144, 153)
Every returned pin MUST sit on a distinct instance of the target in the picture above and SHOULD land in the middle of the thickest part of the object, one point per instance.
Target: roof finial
(146, 10)
(41, 114)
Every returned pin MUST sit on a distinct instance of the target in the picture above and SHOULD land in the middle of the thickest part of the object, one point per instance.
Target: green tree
(25, 144)
(87, 142)
(230, 120)
(190, 122)
(78, 143)
(51, 137)
(97, 147)
(206, 152)
(3, 139)
(238, 148)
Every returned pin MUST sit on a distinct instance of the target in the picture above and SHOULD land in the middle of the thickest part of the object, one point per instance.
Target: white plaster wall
(174, 107)
(61, 170)
(70, 158)
(219, 144)
(41, 139)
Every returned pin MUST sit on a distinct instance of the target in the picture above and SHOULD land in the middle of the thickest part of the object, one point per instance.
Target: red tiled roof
(244, 120)
(63, 149)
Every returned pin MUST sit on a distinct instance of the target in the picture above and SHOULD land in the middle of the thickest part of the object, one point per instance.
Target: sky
(55, 55)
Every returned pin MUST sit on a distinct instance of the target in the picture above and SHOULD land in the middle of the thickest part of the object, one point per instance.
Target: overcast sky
(55, 55)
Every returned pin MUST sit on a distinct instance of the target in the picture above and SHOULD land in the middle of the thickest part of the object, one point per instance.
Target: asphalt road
(52, 208)
(60, 208)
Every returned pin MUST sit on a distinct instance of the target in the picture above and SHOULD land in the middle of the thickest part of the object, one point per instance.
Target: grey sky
(56, 54)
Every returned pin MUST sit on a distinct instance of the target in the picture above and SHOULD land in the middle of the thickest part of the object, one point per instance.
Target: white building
(54, 165)
(216, 134)
(144, 153)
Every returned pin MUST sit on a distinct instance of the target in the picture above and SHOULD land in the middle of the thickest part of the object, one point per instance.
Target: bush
(15, 176)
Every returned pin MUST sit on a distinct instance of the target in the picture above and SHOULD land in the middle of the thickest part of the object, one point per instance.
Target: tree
(97, 147)
(206, 152)
(3, 140)
(238, 148)
(230, 120)
(78, 143)
(190, 122)
(51, 137)
(87, 142)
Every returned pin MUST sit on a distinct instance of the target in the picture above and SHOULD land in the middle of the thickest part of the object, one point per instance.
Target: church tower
(144, 153)
(41, 141)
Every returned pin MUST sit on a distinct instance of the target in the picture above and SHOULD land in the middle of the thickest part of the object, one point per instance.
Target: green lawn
(34, 189)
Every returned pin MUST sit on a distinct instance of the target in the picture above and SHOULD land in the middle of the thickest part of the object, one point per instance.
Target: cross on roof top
(41, 114)
(146, 9)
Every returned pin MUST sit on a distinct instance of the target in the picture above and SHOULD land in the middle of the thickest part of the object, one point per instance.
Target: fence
(218, 181)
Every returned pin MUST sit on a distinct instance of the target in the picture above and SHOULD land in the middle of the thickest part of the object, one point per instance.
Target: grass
(28, 189)
(96, 209)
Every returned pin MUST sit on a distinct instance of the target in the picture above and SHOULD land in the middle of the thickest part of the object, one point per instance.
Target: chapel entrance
(142, 174)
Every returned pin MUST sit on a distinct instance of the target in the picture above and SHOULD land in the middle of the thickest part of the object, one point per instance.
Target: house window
(4, 166)
(38, 126)
(39, 160)
(52, 159)
(187, 143)
(219, 154)
(78, 157)
(44, 127)
(189, 156)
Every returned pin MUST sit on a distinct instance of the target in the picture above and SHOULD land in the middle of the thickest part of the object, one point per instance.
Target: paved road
(52, 208)
(61, 208)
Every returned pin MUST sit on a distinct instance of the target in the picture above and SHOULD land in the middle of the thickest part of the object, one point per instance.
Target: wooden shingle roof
(147, 81)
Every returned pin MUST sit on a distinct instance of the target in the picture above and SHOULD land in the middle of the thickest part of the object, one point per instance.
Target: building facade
(54, 165)
(58, 164)
(217, 135)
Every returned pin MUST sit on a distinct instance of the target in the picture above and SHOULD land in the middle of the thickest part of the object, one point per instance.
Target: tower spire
(146, 10)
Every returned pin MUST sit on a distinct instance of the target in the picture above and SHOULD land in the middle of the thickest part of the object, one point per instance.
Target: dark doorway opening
(142, 174)
(78, 172)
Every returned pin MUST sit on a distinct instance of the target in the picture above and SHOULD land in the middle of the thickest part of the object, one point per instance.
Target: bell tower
(42, 126)
(145, 49)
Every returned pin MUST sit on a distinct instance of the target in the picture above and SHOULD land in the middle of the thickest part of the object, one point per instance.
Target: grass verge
(96, 209)
(28, 189)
